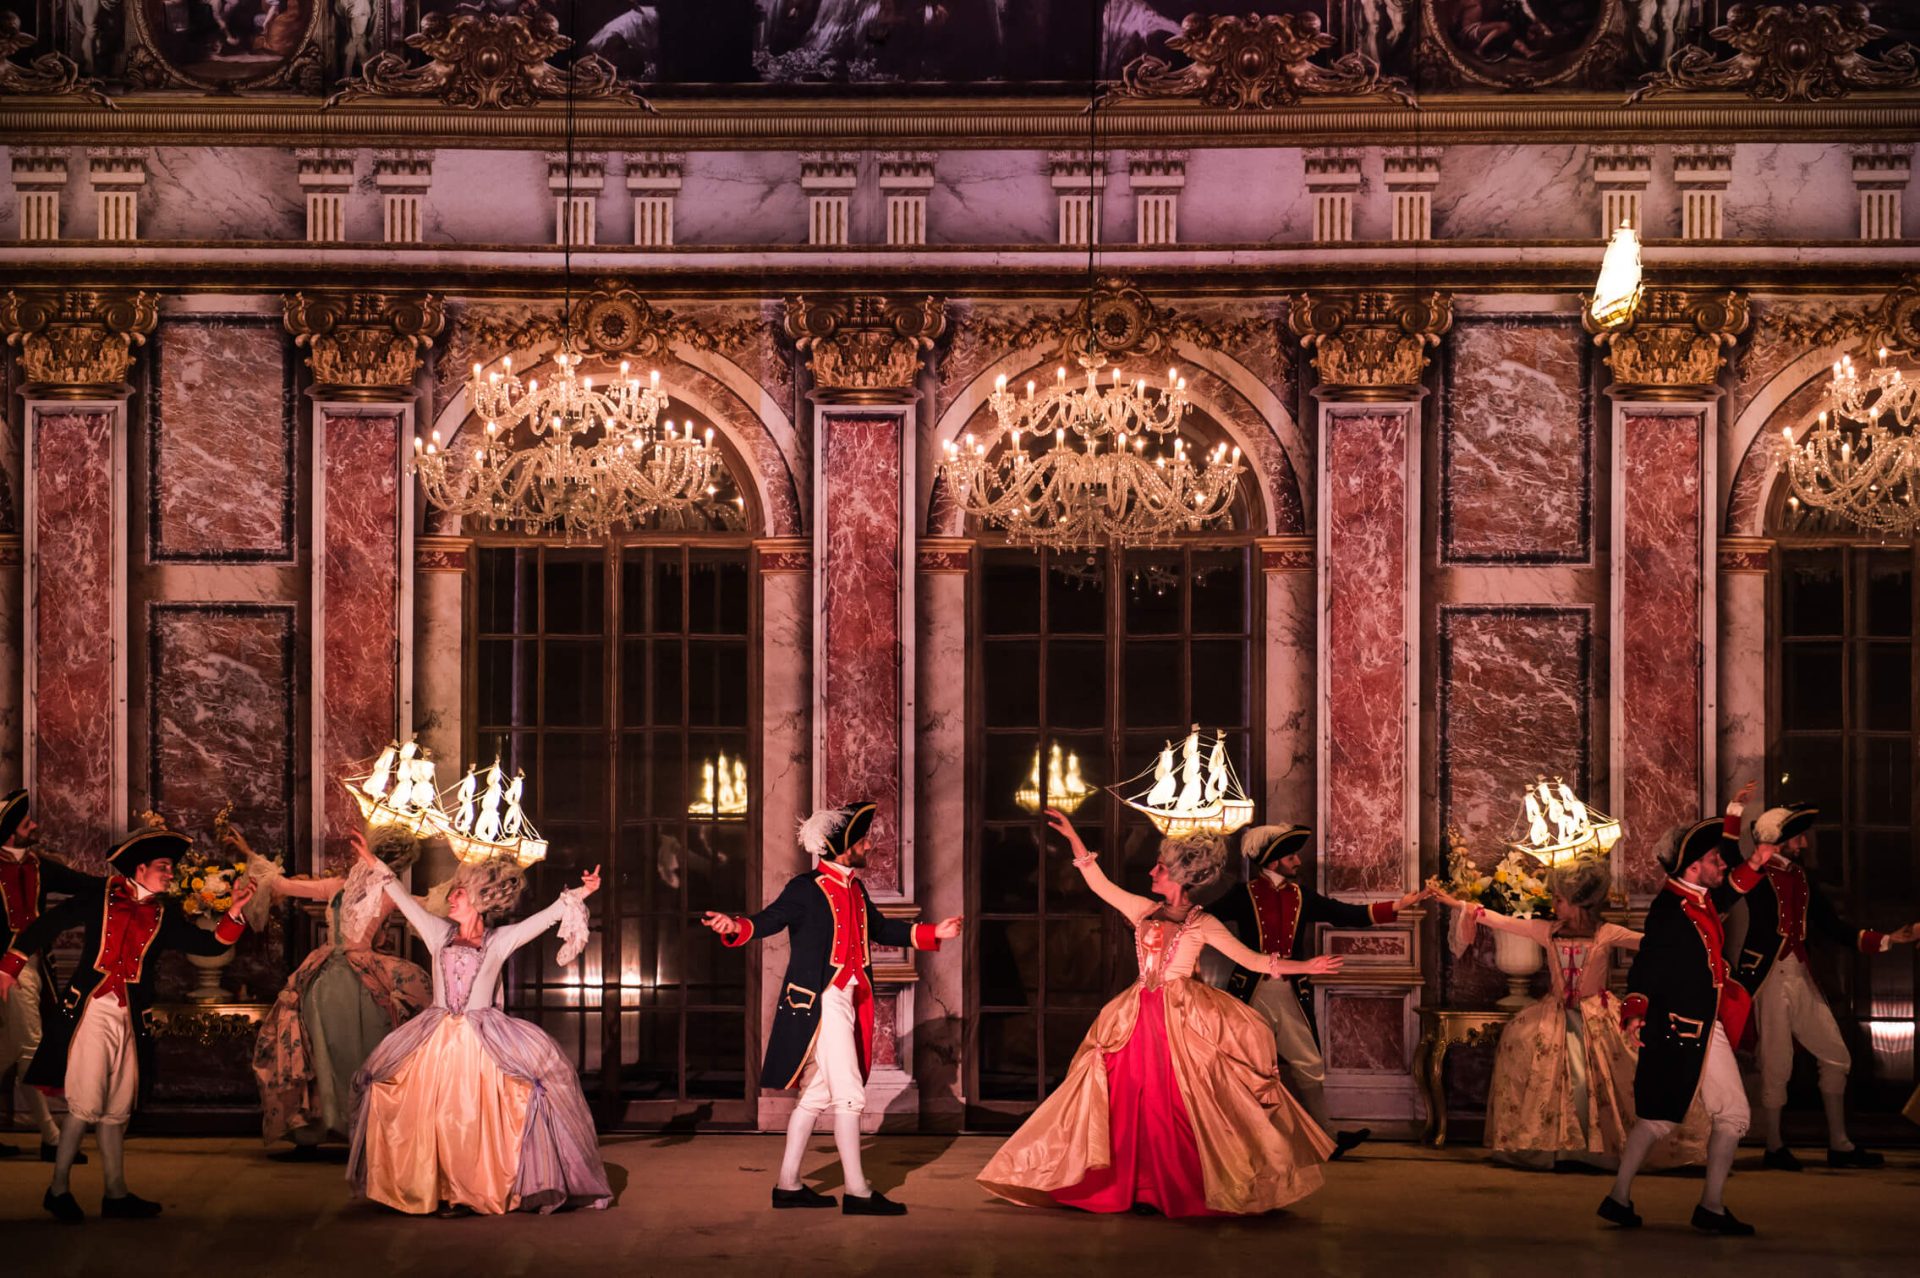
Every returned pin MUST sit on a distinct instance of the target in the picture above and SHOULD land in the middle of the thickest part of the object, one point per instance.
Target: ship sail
(1207, 797)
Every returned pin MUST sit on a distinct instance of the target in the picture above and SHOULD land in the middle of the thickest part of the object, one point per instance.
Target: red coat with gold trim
(1780, 909)
(122, 939)
(1279, 919)
(834, 931)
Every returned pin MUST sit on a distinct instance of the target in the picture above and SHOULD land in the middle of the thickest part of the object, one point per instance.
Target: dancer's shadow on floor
(888, 1161)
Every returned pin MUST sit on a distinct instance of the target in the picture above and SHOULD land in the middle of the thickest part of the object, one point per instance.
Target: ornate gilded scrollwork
(479, 60)
(1675, 345)
(1121, 322)
(364, 346)
(865, 348)
(51, 74)
(1370, 345)
(1899, 318)
(1256, 63)
(1789, 53)
(77, 343)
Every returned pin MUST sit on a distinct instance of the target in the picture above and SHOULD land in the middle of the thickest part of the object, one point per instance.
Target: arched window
(618, 676)
(1106, 657)
(1845, 705)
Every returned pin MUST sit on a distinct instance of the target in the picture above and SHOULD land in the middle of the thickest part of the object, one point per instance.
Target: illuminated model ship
(723, 789)
(398, 789)
(1064, 788)
(401, 788)
(1555, 827)
(1194, 796)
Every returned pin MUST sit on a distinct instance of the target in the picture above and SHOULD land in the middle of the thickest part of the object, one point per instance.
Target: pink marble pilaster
(863, 593)
(362, 602)
(76, 676)
(1369, 605)
(1663, 629)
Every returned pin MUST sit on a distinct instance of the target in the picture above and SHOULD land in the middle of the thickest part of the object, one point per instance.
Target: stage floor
(693, 1204)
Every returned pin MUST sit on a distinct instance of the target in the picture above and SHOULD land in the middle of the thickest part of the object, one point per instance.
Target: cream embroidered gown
(1173, 1099)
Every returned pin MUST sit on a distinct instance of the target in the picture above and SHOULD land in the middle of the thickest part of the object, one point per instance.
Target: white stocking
(846, 1137)
(42, 1116)
(1721, 1145)
(1645, 1135)
(112, 1138)
(71, 1134)
(799, 1132)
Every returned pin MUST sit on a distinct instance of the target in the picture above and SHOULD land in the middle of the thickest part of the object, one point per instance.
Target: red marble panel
(220, 451)
(359, 622)
(1365, 1032)
(1516, 456)
(1660, 633)
(1373, 945)
(1365, 770)
(860, 575)
(72, 616)
(221, 718)
(886, 1031)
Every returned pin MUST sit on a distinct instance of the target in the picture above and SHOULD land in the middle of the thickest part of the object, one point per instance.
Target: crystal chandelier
(1083, 464)
(1861, 462)
(569, 456)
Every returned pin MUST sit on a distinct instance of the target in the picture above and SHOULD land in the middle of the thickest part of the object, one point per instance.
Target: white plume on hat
(817, 831)
(1770, 824)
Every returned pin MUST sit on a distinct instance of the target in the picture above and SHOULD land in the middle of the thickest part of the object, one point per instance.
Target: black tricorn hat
(1775, 825)
(147, 845)
(1265, 844)
(831, 831)
(1689, 843)
(13, 810)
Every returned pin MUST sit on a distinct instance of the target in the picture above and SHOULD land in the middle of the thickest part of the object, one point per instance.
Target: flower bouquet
(1517, 886)
(203, 883)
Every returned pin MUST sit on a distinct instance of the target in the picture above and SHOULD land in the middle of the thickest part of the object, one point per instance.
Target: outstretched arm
(306, 889)
(62, 879)
(1088, 863)
(904, 935)
(36, 936)
(736, 929)
(527, 929)
(1215, 933)
(431, 928)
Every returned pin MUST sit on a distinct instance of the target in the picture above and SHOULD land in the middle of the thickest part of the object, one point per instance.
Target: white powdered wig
(817, 831)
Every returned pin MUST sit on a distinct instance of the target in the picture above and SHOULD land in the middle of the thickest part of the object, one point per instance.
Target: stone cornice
(877, 123)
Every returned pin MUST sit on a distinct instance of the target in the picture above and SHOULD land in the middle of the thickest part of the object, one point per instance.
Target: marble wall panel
(358, 619)
(886, 1031)
(220, 726)
(220, 450)
(754, 197)
(1291, 674)
(1365, 1032)
(73, 619)
(1743, 670)
(995, 197)
(1660, 632)
(1368, 743)
(1516, 444)
(1787, 190)
(1476, 195)
(1246, 197)
(860, 578)
(940, 802)
(219, 193)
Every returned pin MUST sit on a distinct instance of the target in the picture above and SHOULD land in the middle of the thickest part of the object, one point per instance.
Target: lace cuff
(261, 873)
(360, 899)
(575, 926)
(1466, 926)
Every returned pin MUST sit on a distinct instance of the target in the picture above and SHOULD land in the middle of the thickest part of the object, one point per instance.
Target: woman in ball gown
(338, 1004)
(1562, 1089)
(1173, 1101)
(465, 1108)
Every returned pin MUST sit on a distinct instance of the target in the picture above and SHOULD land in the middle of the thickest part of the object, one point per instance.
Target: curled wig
(396, 846)
(494, 886)
(1193, 861)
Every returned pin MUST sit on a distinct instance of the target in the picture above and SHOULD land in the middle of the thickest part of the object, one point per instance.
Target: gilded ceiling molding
(1897, 321)
(1788, 53)
(1122, 322)
(1675, 345)
(483, 60)
(364, 346)
(50, 75)
(1604, 47)
(76, 343)
(865, 349)
(1256, 63)
(1371, 344)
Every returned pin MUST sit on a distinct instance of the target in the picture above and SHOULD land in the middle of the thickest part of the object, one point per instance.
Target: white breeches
(831, 1077)
(1293, 1042)
(1790, 1010)
(103, 1065)
(1722, 1094)
(20, 1021)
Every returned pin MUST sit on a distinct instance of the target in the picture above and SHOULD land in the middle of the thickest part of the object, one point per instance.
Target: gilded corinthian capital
(77, 343)
(1373, 344)
(1674, 346)
(865, 349)
(364, 346)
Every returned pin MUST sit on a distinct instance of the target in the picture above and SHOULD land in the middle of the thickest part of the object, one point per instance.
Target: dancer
(93, 1051)
(1274, 912)
(464, 1108)
(1173, 1102)
(822, 1039)
(338, 1004)
(27, 879)
(1562, 1087)
(1693, 1013)
(1787, 1006)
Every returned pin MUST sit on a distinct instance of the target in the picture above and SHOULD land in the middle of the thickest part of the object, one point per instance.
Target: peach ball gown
(1173, 1100)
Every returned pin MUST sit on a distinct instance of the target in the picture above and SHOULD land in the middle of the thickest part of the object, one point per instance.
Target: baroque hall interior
(1457, 525)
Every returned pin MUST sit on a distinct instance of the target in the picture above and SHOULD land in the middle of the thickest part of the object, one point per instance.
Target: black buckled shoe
(50, 1153)
(1724, 1223)
(874, 1204)
(129, 1207)
(1855, 1157)
(64, 1208)
(1781, 1159)
(804, 1197)
(1344, 1141)
(1613, 1211)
